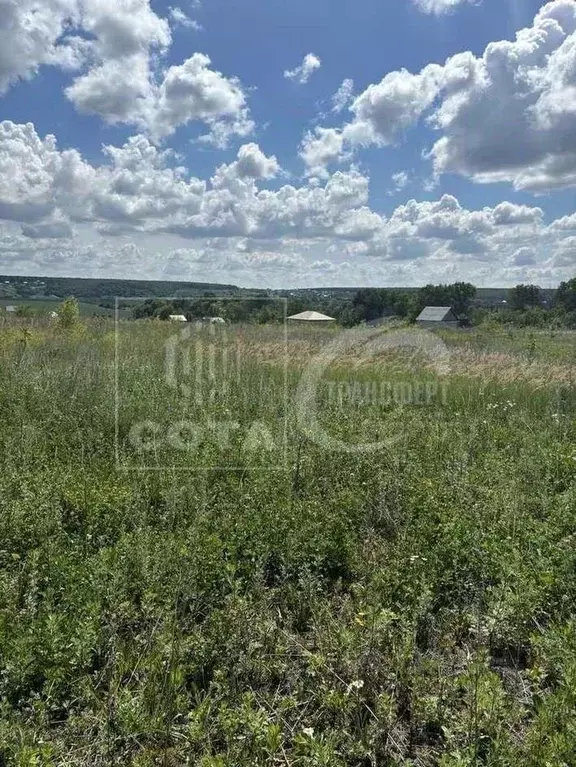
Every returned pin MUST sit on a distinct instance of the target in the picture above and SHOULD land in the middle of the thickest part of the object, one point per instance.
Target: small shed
(11, 308)
(177, 318)
(311, 317)
(437, 317)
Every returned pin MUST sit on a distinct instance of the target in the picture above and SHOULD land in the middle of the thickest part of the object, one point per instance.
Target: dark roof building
(438, 316)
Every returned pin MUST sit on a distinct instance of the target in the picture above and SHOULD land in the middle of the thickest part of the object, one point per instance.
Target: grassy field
(237, 548)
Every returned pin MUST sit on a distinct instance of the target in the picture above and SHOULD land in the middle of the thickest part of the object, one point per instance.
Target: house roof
(311, 317)
(437, 314)
(177, 317)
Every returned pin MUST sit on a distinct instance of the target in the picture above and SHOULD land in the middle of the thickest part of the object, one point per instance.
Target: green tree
(373, 303)
(566, 295)
(165, 312)
(237, 311)
(68, 313)
(400, 303)
(461, 294)
(347, 316)
(149, 308)
(271, 313)
(369, 303)
(524, 296)
(457, 296)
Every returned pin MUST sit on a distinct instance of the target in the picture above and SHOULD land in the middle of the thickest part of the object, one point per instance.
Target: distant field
(41, 306)
(322, 551)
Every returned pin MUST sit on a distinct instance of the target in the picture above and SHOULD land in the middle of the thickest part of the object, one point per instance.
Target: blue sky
(452, 157)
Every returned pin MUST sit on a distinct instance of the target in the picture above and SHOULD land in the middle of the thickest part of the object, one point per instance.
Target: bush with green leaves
(68, 314)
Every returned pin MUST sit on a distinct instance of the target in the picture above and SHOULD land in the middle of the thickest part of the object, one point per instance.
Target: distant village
(454, 305)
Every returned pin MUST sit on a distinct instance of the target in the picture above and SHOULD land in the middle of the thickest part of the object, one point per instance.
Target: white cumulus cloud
(115, 48)
(302, 73)
(505, 116)
(239, 224)
(320, 148)
(194, 91)
(29, 35)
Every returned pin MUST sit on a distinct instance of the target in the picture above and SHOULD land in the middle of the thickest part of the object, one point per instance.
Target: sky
(280, 144)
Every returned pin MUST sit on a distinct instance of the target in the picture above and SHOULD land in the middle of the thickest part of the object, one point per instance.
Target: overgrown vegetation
(409, 606)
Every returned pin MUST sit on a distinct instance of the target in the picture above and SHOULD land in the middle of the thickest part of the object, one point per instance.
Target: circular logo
(361, 344)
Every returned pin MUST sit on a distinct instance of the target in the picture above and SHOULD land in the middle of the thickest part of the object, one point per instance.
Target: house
(11, 308)
(214, 320)
(437, 317)
(311, 317)
(177, 318)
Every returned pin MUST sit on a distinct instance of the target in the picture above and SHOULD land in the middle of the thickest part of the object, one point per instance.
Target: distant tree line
(374, 303)
(95, 290)
(526, 305)
(259, 310)
(530, 306)
(367, 305)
